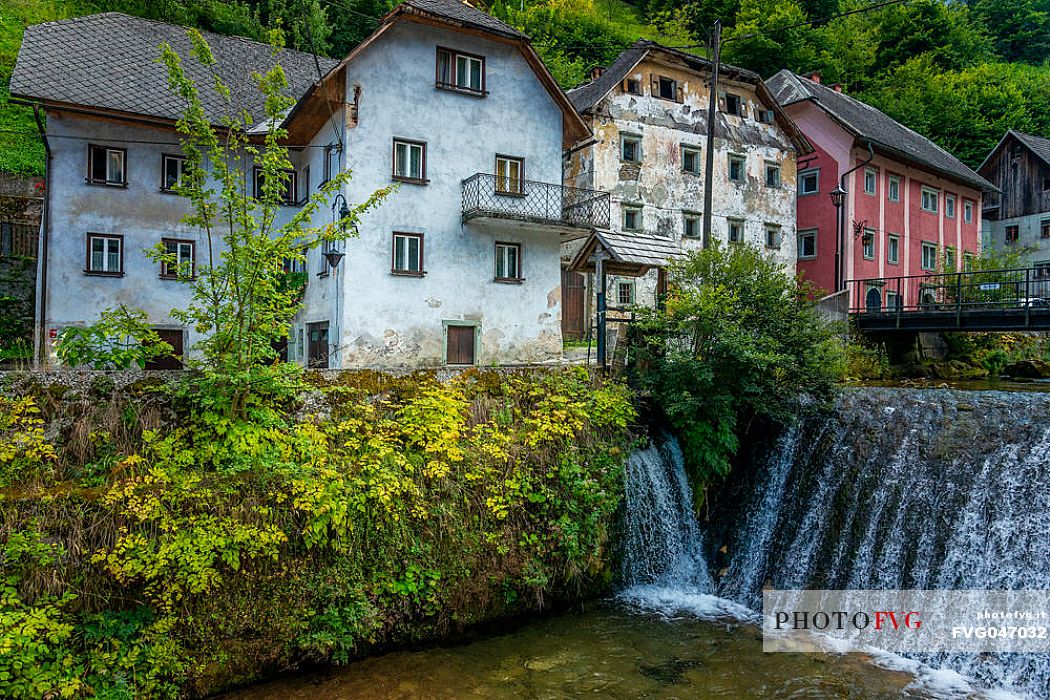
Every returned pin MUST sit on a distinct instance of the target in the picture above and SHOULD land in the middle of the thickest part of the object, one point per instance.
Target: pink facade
(886, 222)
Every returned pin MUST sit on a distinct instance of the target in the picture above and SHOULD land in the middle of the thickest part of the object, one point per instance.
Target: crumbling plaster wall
(665, 191)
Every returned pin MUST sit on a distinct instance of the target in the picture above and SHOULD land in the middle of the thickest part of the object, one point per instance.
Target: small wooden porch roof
(628, 254)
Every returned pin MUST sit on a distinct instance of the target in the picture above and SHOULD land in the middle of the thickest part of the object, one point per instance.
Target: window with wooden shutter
(679, 94)
(459, 344)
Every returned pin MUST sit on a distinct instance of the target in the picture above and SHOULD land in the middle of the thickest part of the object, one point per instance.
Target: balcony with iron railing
(541, 203)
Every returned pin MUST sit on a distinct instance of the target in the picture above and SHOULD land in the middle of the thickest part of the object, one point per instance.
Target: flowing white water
(896, 489)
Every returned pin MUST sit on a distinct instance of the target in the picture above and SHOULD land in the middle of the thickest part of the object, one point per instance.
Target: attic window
(668, 88)
(733, 104)
(462, 72)
(1046, 184)
(632, 86)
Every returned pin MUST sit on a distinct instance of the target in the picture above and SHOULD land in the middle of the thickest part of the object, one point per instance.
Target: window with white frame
(107, 166)
(893, 249)
(929, 256)
(632, 218)
(630, 148)
(949, 259)
(807, 244)
(949, 205)
(772, 236)
(508, 262)
(625, 292)
(736, 230)
(871, 178)
(407, 254)
(691, 225)
(510, 172)
(737, 168)
(460, 71)
(772, 175)
(929, 199)
(690, 159)
(867, 244)
(968, 211)
(809, 182)
(893, 191)
(105, 254)
(892, 300)
(173, 168)
(182, 261)
(410, 161)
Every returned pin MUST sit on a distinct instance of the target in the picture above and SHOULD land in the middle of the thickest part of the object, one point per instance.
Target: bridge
(971, 301)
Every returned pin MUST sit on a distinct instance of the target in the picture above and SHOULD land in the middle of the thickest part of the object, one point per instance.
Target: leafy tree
(967, 111)
(758, 43)
(739, 338)
(1020, 29)
(241, 303)
(121, 339)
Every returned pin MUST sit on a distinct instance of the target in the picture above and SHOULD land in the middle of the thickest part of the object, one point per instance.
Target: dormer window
(462, 72)
(668, 88)
(733, 104)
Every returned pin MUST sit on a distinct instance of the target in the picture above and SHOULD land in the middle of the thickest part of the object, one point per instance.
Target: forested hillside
(959, 72)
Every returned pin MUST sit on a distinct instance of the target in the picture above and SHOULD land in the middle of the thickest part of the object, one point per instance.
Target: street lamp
(333, 255)
(838, 198)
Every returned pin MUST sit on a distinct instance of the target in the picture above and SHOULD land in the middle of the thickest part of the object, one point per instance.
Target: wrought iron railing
(1023, 288)
(537, 202)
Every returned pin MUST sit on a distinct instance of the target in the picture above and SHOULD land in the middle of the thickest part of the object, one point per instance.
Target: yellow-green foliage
(24, 454)
(408, 508)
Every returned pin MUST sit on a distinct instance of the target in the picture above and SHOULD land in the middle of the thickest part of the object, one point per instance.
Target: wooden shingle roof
(629, 254)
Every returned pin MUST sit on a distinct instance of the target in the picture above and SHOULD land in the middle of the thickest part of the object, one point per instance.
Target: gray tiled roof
(109, 61)
(869, 124)
(458, 11)
(1038, 145)
(585, 96)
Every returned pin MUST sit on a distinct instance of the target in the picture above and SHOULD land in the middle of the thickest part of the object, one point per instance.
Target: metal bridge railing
(979, 290)
(539, 202)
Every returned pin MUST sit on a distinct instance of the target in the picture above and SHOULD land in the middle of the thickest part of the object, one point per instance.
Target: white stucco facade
(375, 317)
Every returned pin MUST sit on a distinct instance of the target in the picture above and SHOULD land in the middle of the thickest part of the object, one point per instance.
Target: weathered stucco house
(648, 111)
(1018, 218)
(459, 266)
(909, 208)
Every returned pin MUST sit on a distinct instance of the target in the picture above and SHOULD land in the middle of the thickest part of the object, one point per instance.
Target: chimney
(814, 76)
(837, 87)
(596, 72)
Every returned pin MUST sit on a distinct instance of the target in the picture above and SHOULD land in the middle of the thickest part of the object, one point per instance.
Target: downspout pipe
(840, 244)
(41, 349)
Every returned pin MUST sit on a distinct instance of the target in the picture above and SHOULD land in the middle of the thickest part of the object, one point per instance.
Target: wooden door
(573, 293)
(317, 345)
(460, 345)
(174, 338)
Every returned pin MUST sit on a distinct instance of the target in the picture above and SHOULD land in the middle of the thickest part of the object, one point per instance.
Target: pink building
(910, 208)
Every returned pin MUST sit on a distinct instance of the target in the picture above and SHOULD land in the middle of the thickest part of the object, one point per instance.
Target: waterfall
(901, 488)
(663, 564)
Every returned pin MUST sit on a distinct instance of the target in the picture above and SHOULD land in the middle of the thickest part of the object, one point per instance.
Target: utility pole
(712, 108)
(599, 273)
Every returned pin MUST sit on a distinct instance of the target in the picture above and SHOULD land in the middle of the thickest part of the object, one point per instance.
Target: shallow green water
(608, 651)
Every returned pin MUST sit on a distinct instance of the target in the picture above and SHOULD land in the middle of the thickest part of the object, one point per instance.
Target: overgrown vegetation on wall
(152, 547)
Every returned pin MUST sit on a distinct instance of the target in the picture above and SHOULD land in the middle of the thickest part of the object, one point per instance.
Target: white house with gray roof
(459, 266)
